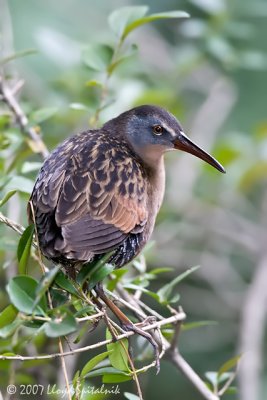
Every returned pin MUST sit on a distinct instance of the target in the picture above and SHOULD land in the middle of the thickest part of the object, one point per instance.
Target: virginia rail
(100, 191)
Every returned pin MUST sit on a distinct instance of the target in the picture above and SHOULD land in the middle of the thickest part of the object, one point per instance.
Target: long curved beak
(182, 142)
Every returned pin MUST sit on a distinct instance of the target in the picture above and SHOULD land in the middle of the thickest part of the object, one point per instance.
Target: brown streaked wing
(99, 204)
(119, 199)
(46, 193)
(96, 197)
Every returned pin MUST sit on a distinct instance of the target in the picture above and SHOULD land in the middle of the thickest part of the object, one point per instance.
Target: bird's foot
(129, 326)
(147, 321)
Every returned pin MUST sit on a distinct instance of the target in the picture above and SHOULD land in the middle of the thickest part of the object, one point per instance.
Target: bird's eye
(158, 130)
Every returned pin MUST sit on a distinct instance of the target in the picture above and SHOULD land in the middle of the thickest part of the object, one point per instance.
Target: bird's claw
(147, 321)
(133, 327)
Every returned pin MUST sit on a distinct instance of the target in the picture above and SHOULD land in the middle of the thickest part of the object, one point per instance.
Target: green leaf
(215, 379)
(120, 18)
(21, 290)
(90, 268)
(117, 274)
(42, 114)
(97, 56)
(45, 283)
(64, 283)
(61, 325)
(7, 197)
(30, 166)
(76, 379)
(16, 55)
(83, 311)
(78, 106)
(142, 289)
(164, 293)
(5, 141)
(118, 355)
(227, 154)
(9, 330)
(253, 60)
(4, 124)
(231, 390)
(24, 248)
(93, 83)
(131, 396)
(110, 375)
(84, 329)
(198, 324)
(174, 298)
(153, 17)
(212, 377)
(8, 315)
(59, 297)
(225, 377)
(107, 371)
(230, 364)
(20, 183)
(120, 60)
(99, 275)
(157, 271)
(91, 364)
(116, 378)
(254, 174)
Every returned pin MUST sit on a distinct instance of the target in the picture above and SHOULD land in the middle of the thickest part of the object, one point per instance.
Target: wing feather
(91, 201)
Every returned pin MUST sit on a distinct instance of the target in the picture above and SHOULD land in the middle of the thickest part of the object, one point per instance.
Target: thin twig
(105, 87)
(127, 304)
(177, 330)
(39, 254)
(252, 334)
(227, 384)
(135, 376)
(180, 363)
(17, 87)
(13, 225)
(96, 307)
(10, 100)
(48, 319)
(127, 352)
(155, 325)
(62, 359)
(148, 309)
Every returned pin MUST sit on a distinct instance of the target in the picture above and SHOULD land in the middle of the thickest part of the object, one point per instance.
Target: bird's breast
(156, 190)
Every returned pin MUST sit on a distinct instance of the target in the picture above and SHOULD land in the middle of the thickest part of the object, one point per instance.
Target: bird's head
(151, 131)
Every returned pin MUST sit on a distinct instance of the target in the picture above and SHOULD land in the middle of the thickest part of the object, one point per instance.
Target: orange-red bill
(182, 142)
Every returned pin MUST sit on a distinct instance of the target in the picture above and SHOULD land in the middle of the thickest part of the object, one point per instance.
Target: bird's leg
(126, 323)
(101, 307)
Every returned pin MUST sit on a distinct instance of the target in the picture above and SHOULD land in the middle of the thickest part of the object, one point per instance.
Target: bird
(100, 191)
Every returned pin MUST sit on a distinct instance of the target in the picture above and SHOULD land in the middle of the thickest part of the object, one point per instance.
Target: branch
(13, 225)
(252, 334)
(8, 97)
(158, 324)
(48, 319)
(180, 363)
(171, 350)
(253, 320)
(64, 369)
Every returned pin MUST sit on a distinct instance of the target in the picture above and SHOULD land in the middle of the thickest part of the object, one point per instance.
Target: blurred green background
(211, 72)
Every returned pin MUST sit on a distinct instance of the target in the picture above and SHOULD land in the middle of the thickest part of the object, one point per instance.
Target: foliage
(211, 65)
